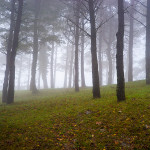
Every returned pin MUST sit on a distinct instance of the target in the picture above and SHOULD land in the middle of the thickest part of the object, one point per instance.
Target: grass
(62, 119)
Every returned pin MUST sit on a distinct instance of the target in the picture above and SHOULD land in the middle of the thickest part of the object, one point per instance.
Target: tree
(20, 72)
(11, 83)
(33, 87)
(52, 65)
(148, 43)
(77, 16)
(119, 55)
(95, 76)
(71, 66)
(130, 65)
(66, 65)
(8, 53)
(108, 52)
(82, 54)
(43, 62)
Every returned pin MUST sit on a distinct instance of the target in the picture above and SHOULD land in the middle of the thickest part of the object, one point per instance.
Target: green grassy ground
(63, 119)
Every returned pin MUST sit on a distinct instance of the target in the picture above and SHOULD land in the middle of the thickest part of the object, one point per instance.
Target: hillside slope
(63, 119)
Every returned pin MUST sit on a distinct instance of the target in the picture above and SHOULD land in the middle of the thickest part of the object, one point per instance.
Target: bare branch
(141, 3)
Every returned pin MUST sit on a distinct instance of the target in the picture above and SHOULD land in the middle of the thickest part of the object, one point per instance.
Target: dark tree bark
(33, 87)
(148, 43)
(11, 84)
(119, 55)
(9, 46)
(130, 65)
(77, 47)
(95, 76)
(82, 56)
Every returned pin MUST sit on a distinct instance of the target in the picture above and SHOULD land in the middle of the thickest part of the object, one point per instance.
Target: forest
(74, 74)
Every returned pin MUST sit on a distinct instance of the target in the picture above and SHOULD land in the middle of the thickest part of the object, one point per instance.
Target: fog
(51, 51)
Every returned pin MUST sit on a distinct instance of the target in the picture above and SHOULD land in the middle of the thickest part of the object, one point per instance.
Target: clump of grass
(63, 119)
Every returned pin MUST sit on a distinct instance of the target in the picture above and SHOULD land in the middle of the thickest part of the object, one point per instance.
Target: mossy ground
(62, 119)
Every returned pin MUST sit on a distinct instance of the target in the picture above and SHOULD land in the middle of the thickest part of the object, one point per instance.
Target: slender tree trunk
(119, 55)
(77, 48)
(130, 67)
(126, 67)
(44, 78)
(109, 54)
(66, 68)
(55, 69)
(148, 43)
(33, 87)
(20, 73)
(39, 80)
(110, 67)
(10, 98)
(29, 69)
(43, 62)
(113, 73)
(82, 56)
(100, 60)
(71, 67)
(52, 65)
(95, 76)
(9, 46)
(73, 76)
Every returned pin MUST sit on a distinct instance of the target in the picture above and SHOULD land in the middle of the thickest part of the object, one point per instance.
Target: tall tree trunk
(52, 65)
(82, 56)
(10, 98)
(33, 87)
(66, 68)
(39, 80)
(110, 66)
(114, 71)
(109, 53)
(77, 48)
(43, 62)
(100, 60)
(119, 55)
(55, 69)
(71, 67)
(20, 73)
(148, 43)
(9, 46)
(130, 65)
(73, 76)
(44, 78)
(95, 76)
(29, 69)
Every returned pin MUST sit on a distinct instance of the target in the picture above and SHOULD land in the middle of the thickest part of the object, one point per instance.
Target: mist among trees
(77, 45)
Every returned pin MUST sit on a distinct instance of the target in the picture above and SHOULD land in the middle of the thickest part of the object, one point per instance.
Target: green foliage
(63, 119)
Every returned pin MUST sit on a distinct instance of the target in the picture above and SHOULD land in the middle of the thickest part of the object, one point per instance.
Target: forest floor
(62, 119)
